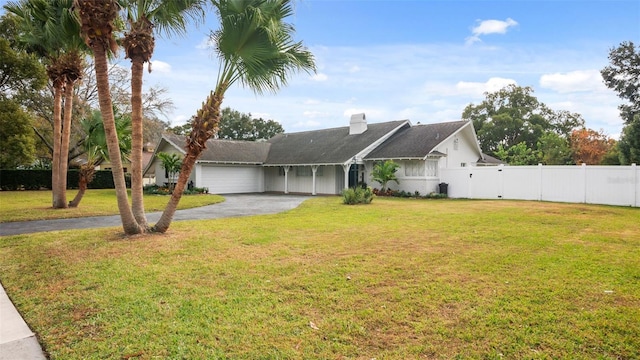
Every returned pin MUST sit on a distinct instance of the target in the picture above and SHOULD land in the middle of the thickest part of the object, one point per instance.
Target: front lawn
(36, 205)
(396, 279)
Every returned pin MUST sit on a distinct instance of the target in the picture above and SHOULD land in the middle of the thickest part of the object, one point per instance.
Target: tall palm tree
(95, 146)
(255, 47)
(49, 29)
(142, 18)
(98, 20)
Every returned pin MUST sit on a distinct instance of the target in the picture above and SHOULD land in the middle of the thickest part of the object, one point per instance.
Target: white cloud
(354, 69)
(477, 88)
(309, 124)
(487, 27)
(160, 66)
(315, 114)
(574, 81)
(205, 44)
(319, 77)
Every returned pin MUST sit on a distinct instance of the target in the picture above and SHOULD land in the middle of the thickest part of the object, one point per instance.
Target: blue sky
(420, 60)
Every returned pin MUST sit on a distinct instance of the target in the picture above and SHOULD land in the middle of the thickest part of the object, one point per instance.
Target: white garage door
(232, 179)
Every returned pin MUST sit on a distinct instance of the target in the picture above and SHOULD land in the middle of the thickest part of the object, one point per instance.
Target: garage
(232, 179)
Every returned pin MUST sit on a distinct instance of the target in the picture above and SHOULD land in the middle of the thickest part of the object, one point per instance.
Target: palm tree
(142, 17)
(49, 29)
(98, 20)
(171, 163)
(383, 172)
(95, 146)
(254, 46)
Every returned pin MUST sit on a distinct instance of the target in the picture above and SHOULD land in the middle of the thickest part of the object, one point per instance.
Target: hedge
(41, 179)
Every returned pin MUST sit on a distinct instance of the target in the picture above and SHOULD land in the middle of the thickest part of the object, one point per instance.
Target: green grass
(397, 279)
(36, 205)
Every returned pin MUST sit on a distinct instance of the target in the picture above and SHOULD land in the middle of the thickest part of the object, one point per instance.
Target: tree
(554, 149)
(519, 154)
(171, 163)
(98, 21)
(49, 29)
(95, 146)
(383, 172)
(16, 136)
(590, 146)
(20, 72)
(623, 76)
(168, 17)
(629, 144)
(235, 125)
(254, 46)
(513, 115)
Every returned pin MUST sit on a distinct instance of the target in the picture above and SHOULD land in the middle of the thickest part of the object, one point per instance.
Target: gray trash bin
(443, 188)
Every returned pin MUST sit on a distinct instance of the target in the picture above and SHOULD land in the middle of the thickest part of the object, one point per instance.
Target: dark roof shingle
(416, 141)
(328, 146)
(228, 151)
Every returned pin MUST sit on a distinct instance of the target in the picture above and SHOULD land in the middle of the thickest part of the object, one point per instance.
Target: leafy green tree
(623, 76)
(20, 72)
(519, 154)
(629, 143)
(171, 163)
(16, 137)
(513, 115)
(383, 172)
(553, 149)
(183, 129)
(255, 46)
(239, 126)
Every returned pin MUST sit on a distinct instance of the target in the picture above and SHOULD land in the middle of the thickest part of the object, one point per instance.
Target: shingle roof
(228, 151)
(328, 146)
(416, 141)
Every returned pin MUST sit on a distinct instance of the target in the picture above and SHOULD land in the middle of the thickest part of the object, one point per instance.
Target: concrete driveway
(233, 206)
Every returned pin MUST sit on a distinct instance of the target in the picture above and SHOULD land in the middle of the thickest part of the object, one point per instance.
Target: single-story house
(330, 160)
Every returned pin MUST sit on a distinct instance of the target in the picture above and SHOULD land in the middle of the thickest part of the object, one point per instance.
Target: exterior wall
(325, 183)
(424, 184)
(609, 185)
(464, 153)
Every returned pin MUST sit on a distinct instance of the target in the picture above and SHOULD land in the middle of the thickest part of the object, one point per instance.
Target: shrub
(358, 195)
(154, 189)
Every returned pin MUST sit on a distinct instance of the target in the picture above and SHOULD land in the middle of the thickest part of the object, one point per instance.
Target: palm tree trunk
(57, 201)
(204, 125)
(86, 176)
(137, 200)
(129, 222)
(64, 141)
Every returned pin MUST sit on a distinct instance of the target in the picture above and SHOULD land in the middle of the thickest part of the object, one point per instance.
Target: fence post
(584, 182)
(635, 184)
(539, 181)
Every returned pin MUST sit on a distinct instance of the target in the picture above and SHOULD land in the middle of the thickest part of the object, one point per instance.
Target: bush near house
(357, 195)
(164, 190)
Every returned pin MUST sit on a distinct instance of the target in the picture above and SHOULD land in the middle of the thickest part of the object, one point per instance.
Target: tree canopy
(512, 116)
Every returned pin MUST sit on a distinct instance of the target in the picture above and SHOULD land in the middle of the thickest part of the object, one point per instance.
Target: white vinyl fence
(609, 185)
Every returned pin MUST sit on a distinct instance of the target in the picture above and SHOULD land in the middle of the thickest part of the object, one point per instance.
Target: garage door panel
(232, 179)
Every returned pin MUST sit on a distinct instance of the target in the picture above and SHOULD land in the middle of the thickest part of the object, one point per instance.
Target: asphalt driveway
(233, 206)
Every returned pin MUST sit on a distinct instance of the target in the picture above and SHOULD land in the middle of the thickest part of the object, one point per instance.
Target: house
(330, 160)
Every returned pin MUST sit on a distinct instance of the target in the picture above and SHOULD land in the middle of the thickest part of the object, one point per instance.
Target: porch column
(286, 179)
(314, 168)
(346, 175)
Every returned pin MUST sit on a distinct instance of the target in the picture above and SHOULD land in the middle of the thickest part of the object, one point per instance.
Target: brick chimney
(358, 124)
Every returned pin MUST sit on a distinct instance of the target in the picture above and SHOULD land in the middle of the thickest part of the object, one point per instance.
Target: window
(456, 141)
(303, 171)
(432, 168)
(280, 171)
(463, 164)
(414, 168)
